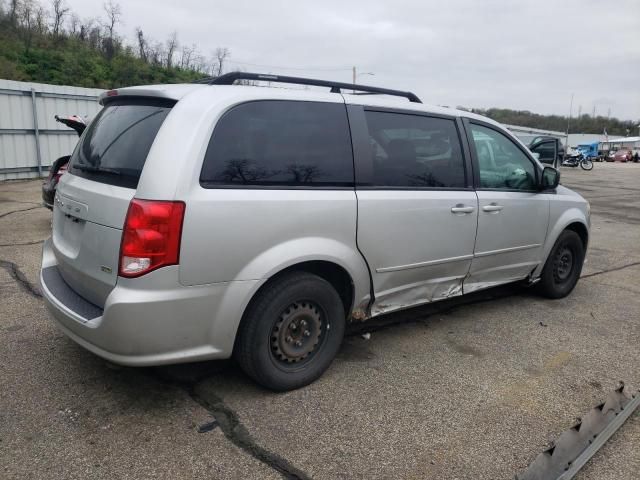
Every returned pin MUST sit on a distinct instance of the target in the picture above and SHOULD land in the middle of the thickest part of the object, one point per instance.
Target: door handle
(492, 207)
(460, 208)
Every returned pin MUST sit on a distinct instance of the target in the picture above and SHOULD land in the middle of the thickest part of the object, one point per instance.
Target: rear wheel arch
(335, 274)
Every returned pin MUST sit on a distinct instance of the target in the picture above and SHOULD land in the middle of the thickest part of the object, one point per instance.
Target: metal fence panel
(18, 141)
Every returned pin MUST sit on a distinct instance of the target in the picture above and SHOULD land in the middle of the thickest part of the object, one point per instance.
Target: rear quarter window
(280, 143)
(115, 146)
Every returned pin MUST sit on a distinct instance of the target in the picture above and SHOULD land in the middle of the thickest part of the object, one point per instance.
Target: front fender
(556, 227)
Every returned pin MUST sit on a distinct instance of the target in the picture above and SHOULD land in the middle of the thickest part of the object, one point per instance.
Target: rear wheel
(562, 269)
(291, 332)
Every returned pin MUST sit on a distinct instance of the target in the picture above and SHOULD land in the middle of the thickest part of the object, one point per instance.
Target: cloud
(525, 54)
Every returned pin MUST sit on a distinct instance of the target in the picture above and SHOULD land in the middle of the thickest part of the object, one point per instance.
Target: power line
(325, 69)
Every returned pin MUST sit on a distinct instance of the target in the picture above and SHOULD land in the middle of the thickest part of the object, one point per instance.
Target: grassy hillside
(89, 53)
(70, 62)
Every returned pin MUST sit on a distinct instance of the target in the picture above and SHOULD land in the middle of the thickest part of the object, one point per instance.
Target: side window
(415, 151)
(502, 164)
(280, 143)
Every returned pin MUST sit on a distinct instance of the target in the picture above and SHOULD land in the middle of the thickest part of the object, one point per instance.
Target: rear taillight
(151, 236)
(61, 171)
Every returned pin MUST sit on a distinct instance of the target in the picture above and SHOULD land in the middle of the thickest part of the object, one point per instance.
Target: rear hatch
(92, 199)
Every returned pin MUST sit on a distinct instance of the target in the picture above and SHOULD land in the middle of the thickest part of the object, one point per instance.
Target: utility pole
(568, 126)
(354, 78)
(356, 75)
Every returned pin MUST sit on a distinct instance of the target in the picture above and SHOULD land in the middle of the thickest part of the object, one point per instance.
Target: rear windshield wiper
(89, 168)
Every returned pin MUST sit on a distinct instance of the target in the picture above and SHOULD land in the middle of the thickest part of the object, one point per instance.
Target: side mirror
(550, 178)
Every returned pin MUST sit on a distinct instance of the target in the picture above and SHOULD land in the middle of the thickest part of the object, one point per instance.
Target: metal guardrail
(574, 447)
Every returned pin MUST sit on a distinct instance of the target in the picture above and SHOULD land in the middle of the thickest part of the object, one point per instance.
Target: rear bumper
(152, 320)
(48, 194)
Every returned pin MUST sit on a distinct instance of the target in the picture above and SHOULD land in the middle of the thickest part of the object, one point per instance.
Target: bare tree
(109, 43)
(74, 25)
(114, 12)
(142, 44)
(172, 45)
(86, 27)
(14, 11)
(41, 19)
(155, 52)
(187, 55)
(221, 54)
(199, 63)
(60, 10)
(27, 18)
(94, 34)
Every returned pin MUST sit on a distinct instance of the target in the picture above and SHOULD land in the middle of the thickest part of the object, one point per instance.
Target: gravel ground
(456, 390)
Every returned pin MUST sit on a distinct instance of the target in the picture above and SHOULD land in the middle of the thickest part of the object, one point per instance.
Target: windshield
(115, 146)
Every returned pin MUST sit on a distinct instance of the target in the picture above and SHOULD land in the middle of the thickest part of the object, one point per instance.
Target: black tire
(263, 347)
(562, 269)
(586, 164)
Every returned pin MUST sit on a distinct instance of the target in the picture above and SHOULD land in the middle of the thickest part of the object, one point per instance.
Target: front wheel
(291, 332)
(563, 267)
(586, 164)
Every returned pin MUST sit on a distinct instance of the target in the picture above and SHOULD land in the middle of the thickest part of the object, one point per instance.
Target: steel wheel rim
(298, 334)
(563, 264)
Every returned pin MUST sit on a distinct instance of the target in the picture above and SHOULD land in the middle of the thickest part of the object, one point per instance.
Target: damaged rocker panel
(416, 294)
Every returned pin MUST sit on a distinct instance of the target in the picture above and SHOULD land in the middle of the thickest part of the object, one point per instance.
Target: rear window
(280, 143)
(115, 146)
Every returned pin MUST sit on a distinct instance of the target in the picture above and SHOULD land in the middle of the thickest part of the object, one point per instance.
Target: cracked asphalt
(472, 388)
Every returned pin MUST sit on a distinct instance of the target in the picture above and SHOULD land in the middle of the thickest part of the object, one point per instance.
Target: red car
(623, 155)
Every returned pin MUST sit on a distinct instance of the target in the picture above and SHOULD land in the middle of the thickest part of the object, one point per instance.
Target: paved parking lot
(453, 390)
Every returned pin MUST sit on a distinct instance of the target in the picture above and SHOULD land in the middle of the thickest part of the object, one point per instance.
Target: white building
(632, 143)
(527, 134)
(576, 139)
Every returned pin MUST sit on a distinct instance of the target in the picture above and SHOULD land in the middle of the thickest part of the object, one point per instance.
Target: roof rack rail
(336, 87)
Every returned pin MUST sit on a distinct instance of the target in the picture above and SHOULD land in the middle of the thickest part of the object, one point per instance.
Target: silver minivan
(209, 220)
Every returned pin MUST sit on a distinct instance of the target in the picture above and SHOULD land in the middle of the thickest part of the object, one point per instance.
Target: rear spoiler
(167, 92)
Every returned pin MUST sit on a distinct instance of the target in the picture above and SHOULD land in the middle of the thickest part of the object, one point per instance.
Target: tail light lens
(61, 171)
(151, 236)
(56, 176)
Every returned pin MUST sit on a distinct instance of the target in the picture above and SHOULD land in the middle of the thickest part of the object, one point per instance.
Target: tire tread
(245, 348)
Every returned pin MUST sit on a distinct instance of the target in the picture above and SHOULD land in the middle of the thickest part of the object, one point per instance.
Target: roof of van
(180, 90)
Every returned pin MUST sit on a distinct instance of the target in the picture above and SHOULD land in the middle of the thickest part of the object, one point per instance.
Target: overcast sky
(524, 54)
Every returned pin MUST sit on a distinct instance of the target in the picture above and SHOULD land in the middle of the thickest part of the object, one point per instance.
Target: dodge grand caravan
(212, 220)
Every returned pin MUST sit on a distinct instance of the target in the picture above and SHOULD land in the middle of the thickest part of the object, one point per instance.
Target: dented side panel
(417, 248)
(417, 294)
